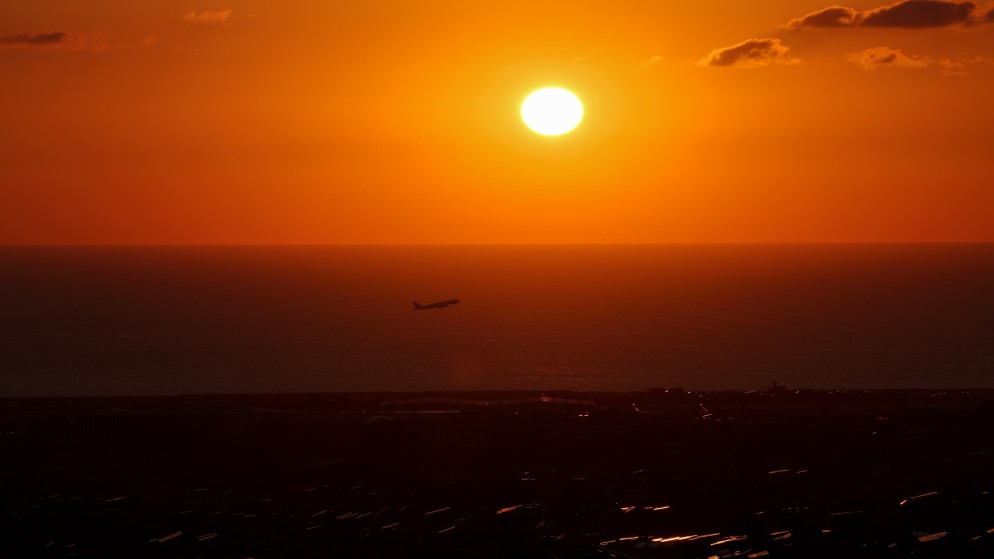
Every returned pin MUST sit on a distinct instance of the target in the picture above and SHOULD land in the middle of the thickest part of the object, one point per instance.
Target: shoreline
(495, 395)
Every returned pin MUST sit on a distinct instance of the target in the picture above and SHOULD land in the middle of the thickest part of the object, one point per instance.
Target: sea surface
(86, 321)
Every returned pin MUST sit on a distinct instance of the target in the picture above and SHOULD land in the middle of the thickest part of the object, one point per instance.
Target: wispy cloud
(907, 14)
(34, 39)
(651, 61)
(885, 57)
(960, 66)
(888, 57)
(219, 17)
(752, 53)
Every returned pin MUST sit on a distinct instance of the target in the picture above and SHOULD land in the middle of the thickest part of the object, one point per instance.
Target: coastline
(505, 401)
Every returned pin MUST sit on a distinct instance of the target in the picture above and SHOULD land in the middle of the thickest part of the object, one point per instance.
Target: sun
(552, 111)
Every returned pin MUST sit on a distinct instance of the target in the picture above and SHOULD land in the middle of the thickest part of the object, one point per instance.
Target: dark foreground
(655, 474)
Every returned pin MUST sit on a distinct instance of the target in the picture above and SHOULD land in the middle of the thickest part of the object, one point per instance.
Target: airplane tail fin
(416, 305)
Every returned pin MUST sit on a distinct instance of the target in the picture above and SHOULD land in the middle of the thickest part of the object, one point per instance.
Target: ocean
(107, 321)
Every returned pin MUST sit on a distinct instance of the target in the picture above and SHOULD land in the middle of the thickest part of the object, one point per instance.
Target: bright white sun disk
(552, 111)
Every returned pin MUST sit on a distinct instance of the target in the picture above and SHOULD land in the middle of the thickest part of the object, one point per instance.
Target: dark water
(110, 321)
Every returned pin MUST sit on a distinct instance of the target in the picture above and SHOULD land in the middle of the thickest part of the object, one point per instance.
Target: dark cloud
(832, 16)
(753, 53)
(907, 14)
(912, 14)
(33, 39)
(76, 42)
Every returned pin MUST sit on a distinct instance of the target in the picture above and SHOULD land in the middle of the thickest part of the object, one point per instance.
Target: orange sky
(248, 121)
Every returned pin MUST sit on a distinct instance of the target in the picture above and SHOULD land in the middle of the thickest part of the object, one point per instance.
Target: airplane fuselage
(438, 305)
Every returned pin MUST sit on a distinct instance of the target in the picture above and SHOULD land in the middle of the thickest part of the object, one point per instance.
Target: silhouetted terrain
(651, 474)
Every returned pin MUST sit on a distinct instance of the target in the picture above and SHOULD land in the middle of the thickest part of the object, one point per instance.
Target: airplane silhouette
(438, 305)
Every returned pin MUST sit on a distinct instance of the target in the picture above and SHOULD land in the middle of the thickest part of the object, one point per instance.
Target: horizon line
(522, 244)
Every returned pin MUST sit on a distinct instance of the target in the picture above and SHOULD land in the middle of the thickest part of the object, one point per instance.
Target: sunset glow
(345, 122)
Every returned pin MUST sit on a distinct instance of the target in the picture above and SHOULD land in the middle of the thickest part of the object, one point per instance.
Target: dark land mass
(656, 474)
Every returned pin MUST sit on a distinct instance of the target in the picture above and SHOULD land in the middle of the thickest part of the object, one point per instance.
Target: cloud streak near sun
(751, 53)
(888, 57)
